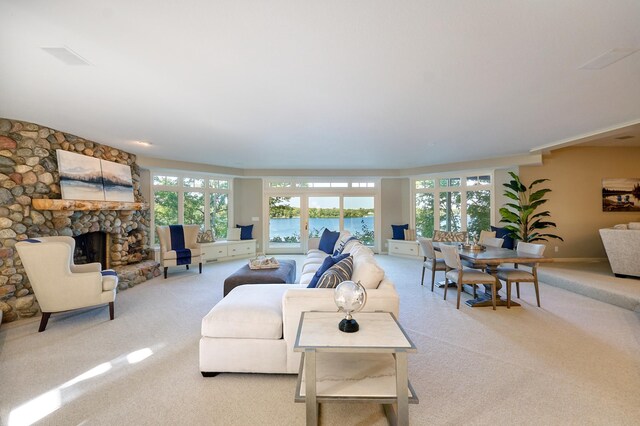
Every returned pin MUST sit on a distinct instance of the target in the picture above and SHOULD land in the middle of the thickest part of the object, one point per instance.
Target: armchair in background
(59, 284)
(179, 246)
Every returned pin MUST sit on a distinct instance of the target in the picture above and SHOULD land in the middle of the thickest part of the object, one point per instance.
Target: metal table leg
(310, 386)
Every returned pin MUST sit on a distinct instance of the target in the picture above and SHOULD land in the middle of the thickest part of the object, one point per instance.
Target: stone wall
(28, 170)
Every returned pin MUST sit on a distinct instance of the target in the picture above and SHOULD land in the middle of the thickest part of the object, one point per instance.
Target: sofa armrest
(86, 267)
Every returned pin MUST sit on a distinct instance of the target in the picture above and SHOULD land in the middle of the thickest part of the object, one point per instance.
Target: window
(359, 218)
(455, 203)
(191, 200)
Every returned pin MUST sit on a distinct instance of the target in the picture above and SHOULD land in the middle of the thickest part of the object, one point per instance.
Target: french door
(294, 218)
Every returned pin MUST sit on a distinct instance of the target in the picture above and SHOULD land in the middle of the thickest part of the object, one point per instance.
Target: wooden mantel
(74, 205)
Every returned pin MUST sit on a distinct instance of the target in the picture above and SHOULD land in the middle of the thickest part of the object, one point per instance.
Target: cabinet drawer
(241, 249)
(217, 252)
(404, 249)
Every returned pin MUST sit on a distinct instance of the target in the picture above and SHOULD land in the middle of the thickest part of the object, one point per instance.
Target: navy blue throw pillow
(398, 231)
(328, 241)
(503, 233)
(246, 231)
(329, 261)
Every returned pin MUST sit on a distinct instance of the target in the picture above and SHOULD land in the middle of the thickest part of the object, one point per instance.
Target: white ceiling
(321, 84)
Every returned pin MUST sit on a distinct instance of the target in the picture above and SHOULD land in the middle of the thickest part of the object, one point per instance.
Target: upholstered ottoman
(285, 274)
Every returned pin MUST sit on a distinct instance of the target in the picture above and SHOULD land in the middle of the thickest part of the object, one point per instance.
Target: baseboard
(579, 259)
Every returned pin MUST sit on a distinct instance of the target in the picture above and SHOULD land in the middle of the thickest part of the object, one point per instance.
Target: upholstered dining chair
(179, 246)
(518, 275)
(58, 284)
(461, 275)
(493, 242)
(430, 260)
(486, 234)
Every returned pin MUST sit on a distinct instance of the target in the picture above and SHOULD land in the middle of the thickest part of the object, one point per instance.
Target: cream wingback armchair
(58, 284)
(179, 246)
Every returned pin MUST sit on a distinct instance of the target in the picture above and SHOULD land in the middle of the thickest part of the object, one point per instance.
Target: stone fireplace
(30, 207)
(91, 247)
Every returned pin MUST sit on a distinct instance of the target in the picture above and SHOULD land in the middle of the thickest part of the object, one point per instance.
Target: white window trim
(341, 192)
(181, 189)
(463, 188)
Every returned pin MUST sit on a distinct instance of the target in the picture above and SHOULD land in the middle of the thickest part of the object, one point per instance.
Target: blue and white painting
(116, 178)
(80, 176)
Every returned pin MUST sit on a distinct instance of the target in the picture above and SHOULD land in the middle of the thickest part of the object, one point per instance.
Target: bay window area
(191, 200)
(453, 203)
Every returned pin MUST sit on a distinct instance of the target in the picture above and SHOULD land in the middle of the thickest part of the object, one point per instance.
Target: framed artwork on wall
(621, 195)
(118, 184)
(80, 176)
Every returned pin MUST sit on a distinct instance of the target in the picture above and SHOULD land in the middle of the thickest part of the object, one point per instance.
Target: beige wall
(247, 204)
(394, 200)
(575, 204)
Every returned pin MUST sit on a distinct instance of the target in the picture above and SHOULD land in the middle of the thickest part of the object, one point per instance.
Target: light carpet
(574, 361)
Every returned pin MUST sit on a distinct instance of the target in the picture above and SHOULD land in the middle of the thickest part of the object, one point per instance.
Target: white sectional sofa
(622, 244)
(253, 329)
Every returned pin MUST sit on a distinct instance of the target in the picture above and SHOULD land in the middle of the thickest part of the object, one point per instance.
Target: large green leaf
(509, 216)
(511, 195)
(538, 195)
(537, 181)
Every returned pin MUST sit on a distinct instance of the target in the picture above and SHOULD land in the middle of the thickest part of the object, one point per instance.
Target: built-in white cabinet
(226, 250)
(404, 248)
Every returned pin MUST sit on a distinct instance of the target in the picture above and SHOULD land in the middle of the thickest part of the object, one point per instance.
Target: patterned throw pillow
(450, 237)
(410, 234)
(339, 272)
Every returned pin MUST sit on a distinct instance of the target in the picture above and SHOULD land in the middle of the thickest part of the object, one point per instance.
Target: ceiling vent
(607, 58)
(66, 55)
(621, 138)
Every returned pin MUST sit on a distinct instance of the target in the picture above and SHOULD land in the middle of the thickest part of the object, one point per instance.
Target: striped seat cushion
(338, 273)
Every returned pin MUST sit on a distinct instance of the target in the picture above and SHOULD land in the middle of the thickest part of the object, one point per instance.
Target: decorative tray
(264, 263)
(472, 247)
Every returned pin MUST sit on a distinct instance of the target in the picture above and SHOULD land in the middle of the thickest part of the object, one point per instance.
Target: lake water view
(288, 227)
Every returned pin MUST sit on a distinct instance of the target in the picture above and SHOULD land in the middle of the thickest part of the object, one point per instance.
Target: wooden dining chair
(430, 260)
(460, 275)
(518, 275)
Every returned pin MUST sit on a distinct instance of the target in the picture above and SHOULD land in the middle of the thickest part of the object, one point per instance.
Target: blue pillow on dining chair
(503, 233)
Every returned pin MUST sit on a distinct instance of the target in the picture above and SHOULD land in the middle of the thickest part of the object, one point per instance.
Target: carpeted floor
(574, 361)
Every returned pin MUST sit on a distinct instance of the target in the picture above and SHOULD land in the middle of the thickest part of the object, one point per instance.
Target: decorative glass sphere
(350, 297)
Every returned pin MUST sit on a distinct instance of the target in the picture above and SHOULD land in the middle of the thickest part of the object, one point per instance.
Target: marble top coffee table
(369, 365)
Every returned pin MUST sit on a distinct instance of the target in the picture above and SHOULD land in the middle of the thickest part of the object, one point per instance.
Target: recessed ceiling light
(143, 143)
(66, 55)
(608, 58)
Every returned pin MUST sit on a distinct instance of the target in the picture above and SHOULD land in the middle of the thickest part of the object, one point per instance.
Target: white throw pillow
(344, 236)
(620, 226)
(361, 250)
(233, 234)
(367, 271)
(634, 225)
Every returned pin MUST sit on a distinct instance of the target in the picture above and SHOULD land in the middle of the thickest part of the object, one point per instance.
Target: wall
(575, 204)
(395, 203)
(247, 204)
(29, 170)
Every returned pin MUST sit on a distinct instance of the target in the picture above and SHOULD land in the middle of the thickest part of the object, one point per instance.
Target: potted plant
(521, 221)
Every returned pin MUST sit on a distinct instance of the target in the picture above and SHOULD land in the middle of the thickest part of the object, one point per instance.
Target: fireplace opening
(91, 247)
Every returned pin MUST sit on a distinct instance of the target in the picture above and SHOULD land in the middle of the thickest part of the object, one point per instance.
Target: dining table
(489, 259)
